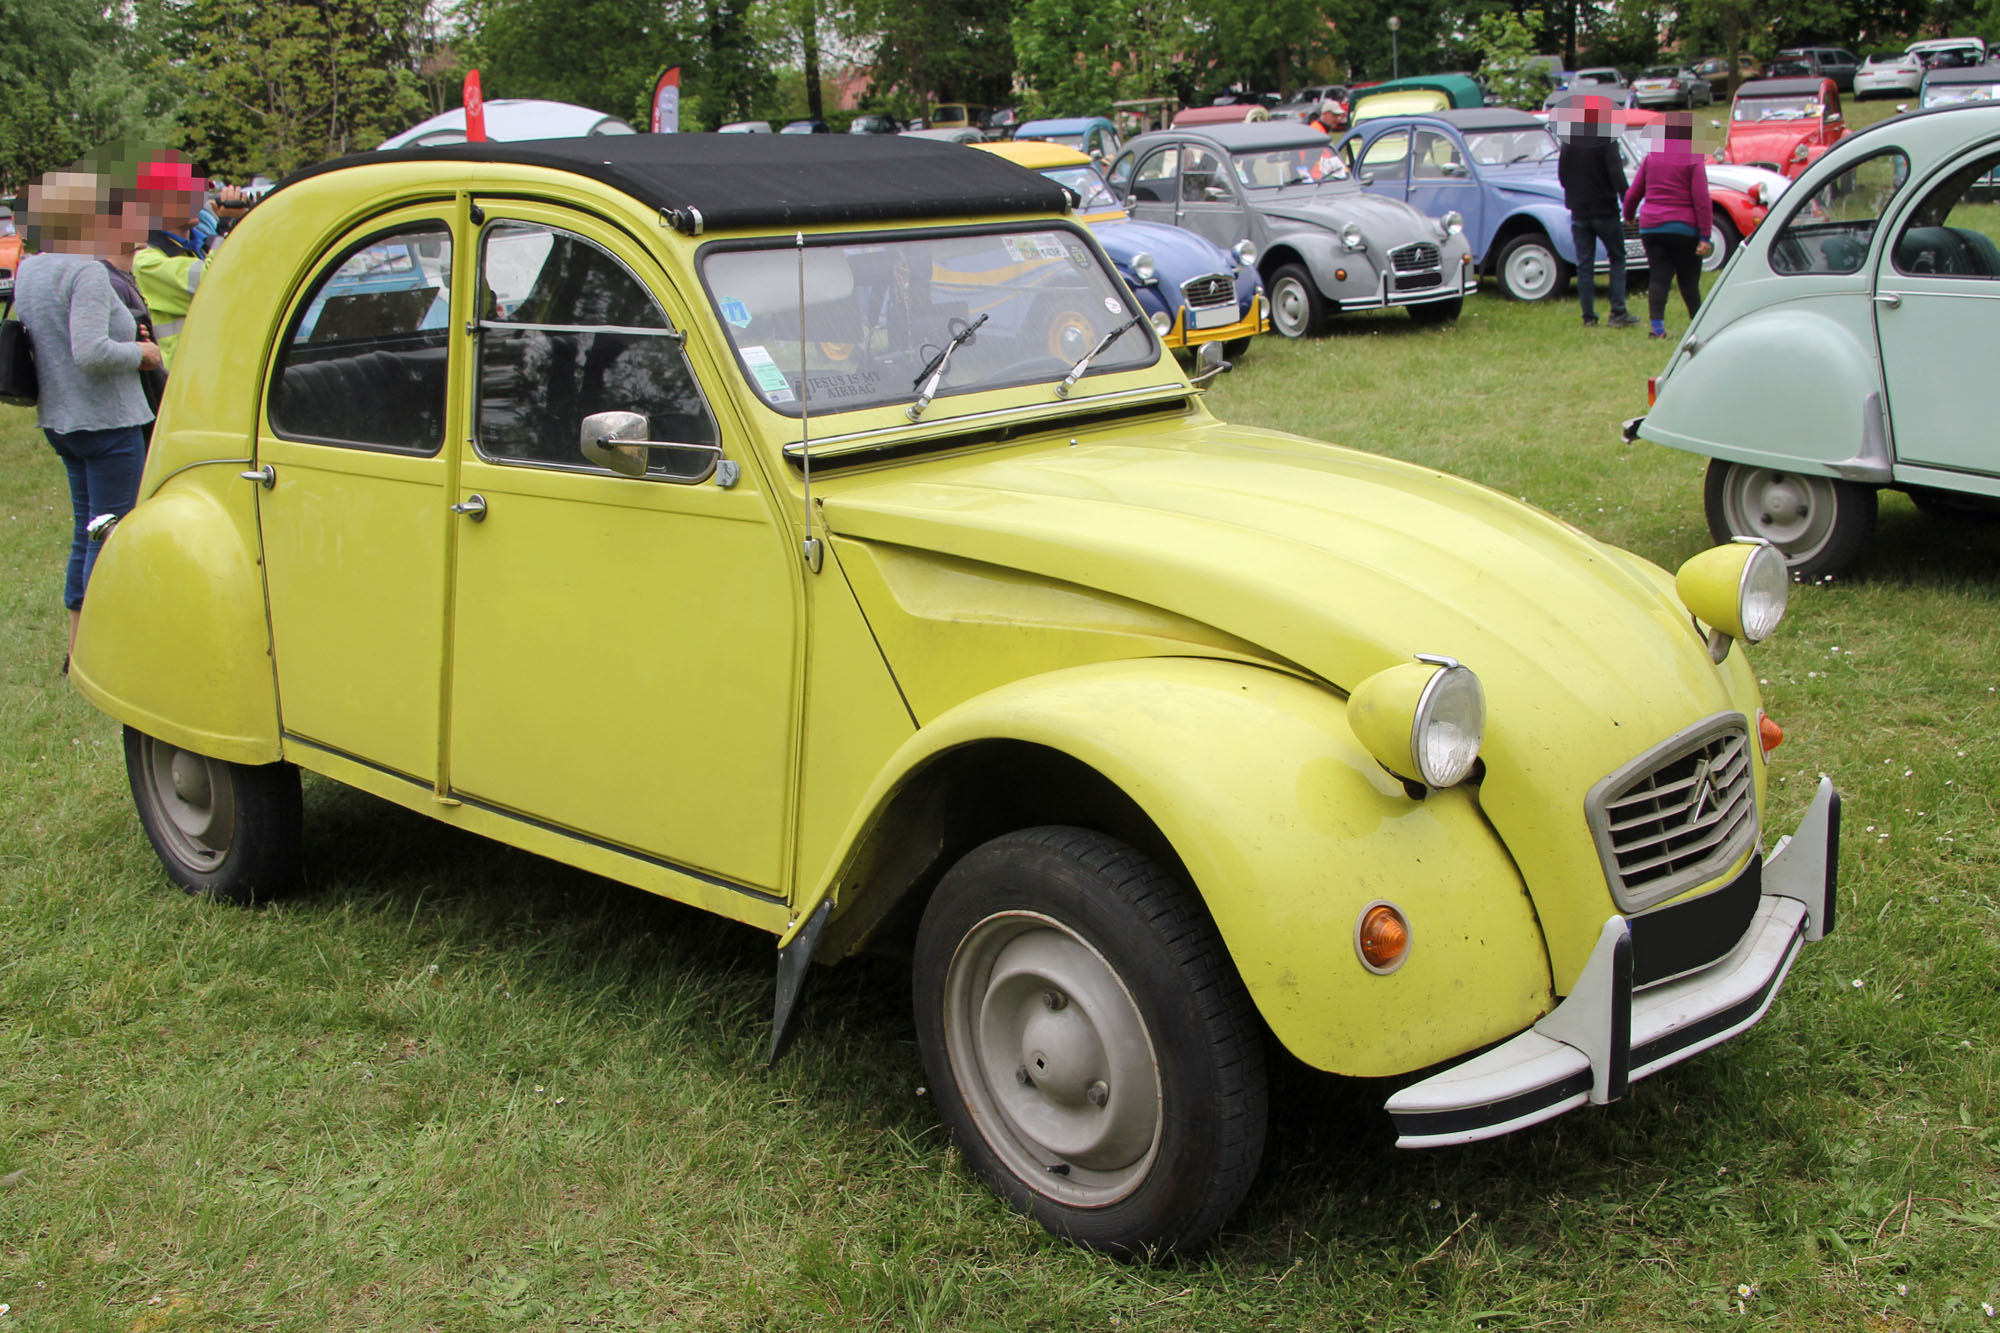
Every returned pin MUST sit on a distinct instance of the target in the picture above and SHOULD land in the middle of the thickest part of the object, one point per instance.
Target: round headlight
(1245, 252)
(1454, 222)
(1351, 237)
(1143, 267)
(1451, 722)
(1163, 323)
(1422, 720)
(1762, 593)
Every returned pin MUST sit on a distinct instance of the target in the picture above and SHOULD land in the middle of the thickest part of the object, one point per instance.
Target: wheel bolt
(1054, 999)
(1022, 1077)
(1096, 1094)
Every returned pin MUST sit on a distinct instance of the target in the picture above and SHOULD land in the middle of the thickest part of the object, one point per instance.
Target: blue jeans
(1586, 233)
(104, 467)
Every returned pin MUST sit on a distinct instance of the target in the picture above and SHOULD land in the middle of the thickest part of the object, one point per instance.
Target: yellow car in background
(815, 532)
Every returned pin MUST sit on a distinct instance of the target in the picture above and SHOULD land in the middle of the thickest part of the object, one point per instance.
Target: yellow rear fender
(174, 640)
(1249, 782)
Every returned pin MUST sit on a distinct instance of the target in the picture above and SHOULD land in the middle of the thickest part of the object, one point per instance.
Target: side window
(1831, 232)
(1155, 182)
(567, 331)
(1387, 155)
(1436, 158)
(364, 364)
(1121, 174)
(1955, 231)
(1204, 179)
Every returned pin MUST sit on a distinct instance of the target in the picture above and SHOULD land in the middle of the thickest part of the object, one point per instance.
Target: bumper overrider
(1608, 1032)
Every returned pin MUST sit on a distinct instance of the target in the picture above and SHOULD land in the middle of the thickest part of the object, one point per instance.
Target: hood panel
(1343, 563)
(1391, 219)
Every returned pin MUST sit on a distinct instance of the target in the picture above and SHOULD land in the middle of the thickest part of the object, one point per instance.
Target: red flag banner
(667, 102)
(475, 110)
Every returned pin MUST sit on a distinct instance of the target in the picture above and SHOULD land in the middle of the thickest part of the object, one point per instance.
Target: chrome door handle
(1890, 299)
(265, 476)
(472, 506)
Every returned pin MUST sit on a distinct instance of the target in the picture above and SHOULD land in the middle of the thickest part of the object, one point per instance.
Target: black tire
(222, 830)
(1141, 1126)
(1953, 504)
(1297, 308)
(1437, 312)
(1529, 269)
(1725, 240)
(1818, 523)
(1236, 349)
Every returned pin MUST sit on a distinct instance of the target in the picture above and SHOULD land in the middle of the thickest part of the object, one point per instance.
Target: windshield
(877, 315)
(1951, 94)
(1089, 187)
(1499, 148)
(1775, 108)
(1278, 167)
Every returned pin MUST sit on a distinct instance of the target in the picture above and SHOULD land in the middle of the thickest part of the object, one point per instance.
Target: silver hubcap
(1053, 1058)
(195, 799)
(1291, 305)
(1718, 250)
(1794, 512)
(1531, 273)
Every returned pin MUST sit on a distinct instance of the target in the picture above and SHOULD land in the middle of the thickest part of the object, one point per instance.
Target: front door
(356, 415)
(625, 628)
(1210, 206)
(1384, 167)
(1937, 312)
(1441, 179)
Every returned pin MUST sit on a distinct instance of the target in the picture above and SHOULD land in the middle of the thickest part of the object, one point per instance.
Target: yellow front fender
(1288, 829)
(173, 639)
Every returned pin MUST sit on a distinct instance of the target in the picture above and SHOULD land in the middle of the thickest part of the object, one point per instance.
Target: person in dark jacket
(1593, 181)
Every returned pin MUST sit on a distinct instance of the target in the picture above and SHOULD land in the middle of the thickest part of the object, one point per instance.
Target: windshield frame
(820, 408)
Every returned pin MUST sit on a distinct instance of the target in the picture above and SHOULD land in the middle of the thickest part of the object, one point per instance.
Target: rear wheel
(224, 830)
(1091, 1048)
(1297, 308)
(1530, 269)
(1819, 524)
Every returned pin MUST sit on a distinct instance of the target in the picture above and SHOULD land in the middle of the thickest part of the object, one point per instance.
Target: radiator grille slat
(1678, 815)
(1210, 289)
(1414, 258)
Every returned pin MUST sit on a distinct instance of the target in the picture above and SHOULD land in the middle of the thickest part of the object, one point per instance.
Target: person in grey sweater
(87, 357)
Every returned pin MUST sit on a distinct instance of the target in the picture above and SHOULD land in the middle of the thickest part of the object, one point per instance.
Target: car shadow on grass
(1911, 547)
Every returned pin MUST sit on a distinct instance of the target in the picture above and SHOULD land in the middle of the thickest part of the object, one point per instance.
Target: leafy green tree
(1069, 52)
(72, 77)
(1506, 44)
(954, 49)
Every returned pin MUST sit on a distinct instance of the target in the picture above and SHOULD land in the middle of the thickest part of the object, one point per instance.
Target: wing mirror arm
(1209, 359)
(615, 441)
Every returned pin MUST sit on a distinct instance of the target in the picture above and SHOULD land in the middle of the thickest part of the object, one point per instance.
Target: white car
(1937, 44)
(509, 119)
(1888, 73)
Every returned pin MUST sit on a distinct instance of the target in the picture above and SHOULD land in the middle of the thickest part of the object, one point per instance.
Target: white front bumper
(1604, 1034)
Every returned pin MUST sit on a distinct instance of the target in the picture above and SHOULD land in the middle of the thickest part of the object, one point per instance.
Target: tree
(1506, 45)
(71, 78)
(958, 49)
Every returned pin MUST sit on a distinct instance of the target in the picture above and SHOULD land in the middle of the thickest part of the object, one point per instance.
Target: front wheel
(1090, 1046)
(1437, 312)
(1819, 524)
(1297, 308)
(1722, 243)
(1236, 349)
(1530, 269)
(224, 830)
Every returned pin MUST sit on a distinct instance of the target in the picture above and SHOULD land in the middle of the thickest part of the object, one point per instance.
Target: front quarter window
(863, 324)
(1832, 231)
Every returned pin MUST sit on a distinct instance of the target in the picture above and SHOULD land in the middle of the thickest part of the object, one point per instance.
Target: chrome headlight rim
(1453, 223)
(1162, 322)
(1145, 269)
(1453, 685)
(1762, 591)
(1353, 237)
(1245, 253)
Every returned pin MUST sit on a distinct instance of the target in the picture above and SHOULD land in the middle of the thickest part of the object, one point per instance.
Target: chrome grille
(1414, 258)
(1210, 289)
(1635, 245)
(1677, 816)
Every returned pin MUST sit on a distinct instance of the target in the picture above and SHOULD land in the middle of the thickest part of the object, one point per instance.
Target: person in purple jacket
(1669, 197)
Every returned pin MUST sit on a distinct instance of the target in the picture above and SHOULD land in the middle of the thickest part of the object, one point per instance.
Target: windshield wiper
(930, 376)
(1083, 362)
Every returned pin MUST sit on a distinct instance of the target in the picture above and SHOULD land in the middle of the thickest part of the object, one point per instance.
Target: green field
(451, 1086)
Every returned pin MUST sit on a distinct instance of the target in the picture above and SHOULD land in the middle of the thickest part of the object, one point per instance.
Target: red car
(1741, 198)
(1783, 124)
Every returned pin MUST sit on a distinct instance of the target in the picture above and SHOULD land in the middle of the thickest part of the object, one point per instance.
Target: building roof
(706, 182)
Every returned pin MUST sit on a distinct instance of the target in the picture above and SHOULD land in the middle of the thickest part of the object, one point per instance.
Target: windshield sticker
(1078, 255)
(1111, 304)
(734, 312)
(1041, 245)
(769, 378)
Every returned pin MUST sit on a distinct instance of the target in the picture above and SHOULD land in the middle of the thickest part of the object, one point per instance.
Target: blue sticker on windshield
(734, 312)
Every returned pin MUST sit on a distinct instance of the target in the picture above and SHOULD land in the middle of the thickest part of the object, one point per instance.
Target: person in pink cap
(1669, 198)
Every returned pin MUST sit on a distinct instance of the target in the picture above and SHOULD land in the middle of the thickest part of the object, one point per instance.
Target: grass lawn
(456, 1087)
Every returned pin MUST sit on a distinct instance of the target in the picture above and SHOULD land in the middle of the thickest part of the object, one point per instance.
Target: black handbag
(17, 361)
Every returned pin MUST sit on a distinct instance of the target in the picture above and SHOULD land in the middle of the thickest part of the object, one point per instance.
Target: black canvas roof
(715, 181)
(1783, 87)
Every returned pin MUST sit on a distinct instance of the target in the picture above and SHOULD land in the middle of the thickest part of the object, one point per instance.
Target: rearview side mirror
(1208, 364)
(616, 442)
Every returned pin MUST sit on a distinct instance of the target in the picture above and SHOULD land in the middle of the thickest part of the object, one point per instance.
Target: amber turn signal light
(1340, 275)
(1382, 937)
(1769, 734)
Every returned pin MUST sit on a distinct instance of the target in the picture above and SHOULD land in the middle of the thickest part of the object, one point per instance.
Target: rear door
(1937, 312)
